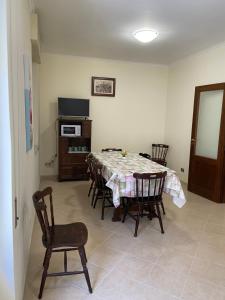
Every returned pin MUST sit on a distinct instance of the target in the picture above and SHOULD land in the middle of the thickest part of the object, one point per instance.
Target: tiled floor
(187, 262)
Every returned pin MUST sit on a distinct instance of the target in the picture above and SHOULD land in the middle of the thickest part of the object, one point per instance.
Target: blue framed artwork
(28, 103)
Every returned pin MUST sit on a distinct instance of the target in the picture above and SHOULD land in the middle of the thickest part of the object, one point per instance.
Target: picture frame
(103, 86)
(28, 102)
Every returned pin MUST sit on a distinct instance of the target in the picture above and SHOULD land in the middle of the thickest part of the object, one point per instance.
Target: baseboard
(184, 183)
(49, 177)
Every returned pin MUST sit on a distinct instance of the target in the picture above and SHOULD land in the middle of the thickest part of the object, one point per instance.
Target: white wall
(206, 67)
(132, 120)
(7, 287)
(25, 178)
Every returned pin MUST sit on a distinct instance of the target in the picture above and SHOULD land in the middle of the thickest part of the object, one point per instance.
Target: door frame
(219, 191)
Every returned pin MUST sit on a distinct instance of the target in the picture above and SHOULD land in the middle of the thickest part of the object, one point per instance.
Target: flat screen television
(73, 107)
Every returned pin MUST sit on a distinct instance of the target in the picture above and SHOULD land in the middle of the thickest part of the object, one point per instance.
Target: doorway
(206, 166)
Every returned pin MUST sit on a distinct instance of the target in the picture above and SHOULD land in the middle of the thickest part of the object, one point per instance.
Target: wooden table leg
(118, 211)
(117, 214)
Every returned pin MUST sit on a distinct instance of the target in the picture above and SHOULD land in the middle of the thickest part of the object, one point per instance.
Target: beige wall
(206, 67)
(132, 120)
(140, 113)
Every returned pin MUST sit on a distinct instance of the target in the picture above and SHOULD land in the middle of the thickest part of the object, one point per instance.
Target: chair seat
(146, 200)
(69, 235)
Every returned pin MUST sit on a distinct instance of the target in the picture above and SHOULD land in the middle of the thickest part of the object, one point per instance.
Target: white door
(21, 185)
(7, 283)
(15, 54)
(18, 171)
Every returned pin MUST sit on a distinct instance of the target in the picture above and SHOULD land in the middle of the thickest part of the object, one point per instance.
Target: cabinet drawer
(75, 171)
(73, 159)
(65, 173)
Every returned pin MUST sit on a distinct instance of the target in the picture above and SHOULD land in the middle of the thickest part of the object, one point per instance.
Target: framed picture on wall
(103, 86)
(28, 102)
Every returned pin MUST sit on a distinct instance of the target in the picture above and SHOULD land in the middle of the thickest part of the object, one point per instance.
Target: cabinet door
(63, 146)
(86, 129)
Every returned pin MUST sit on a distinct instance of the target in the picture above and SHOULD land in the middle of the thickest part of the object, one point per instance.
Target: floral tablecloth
(118, 172)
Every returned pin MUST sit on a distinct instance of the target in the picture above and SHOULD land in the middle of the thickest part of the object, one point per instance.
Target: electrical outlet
(182, 170)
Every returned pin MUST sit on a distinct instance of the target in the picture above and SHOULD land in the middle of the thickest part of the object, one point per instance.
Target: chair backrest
(145, 155)
(98, 177)
(111, 149)
(149, 186)
(42, 214)
(159, 151)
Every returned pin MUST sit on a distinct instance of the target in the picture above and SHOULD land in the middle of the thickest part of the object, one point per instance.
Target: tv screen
(73, 107)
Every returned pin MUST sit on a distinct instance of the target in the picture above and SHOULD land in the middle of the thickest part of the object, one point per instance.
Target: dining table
(118, 172)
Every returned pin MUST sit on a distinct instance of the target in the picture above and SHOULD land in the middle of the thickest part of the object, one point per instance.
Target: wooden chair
(59, 238)
(146, 155)
(101, 191)
(148, 197)
(90, 159)
(159, 152)
(111, 149)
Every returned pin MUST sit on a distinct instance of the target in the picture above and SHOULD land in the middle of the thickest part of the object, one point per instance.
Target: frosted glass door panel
(208, 129)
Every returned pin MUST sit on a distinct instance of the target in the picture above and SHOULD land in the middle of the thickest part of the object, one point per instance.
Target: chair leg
(45, 257)
(83, 261)
(65, 261)
(126, 208)
(91, 187)
(150, 212)
(96, 198)
(163, 209)
(137, 224)
(159, 216)
(103, 205)
(45, 271)
(85, 256)
(93, 196)
(138, 220)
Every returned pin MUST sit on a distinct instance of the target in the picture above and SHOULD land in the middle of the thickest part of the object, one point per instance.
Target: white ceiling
(103, 28)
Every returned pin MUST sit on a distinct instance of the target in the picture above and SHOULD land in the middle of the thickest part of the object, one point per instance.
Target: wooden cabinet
(73, 151)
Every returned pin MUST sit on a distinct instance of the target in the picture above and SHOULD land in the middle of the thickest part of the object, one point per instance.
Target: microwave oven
(70, 130)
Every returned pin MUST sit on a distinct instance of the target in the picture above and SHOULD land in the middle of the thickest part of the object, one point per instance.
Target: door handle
(16, 213)
(193, 140)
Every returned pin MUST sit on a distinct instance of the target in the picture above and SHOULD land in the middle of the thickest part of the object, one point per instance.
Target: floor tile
(187, 262)
(206, 269)
(199, 289)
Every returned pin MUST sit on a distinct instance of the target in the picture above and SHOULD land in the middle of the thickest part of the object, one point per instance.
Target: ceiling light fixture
(145, 35)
